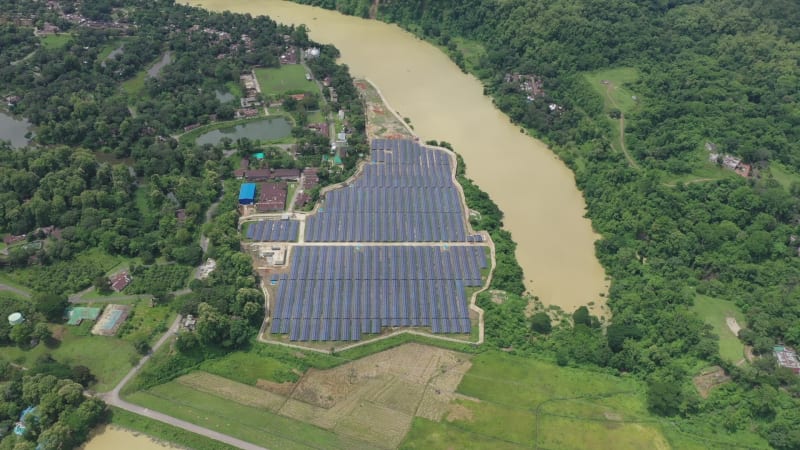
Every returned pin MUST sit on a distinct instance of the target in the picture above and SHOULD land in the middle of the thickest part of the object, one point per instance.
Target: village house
(272, 197)
(120, 281)
(787, 358)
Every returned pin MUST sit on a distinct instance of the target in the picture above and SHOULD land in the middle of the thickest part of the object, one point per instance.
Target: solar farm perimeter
(391, 248)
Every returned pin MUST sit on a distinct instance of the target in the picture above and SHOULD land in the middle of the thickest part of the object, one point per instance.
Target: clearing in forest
(618, 100)
(288, 78)
(717, 312)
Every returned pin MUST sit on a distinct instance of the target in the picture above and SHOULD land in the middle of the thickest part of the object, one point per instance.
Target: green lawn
(316, 117)
(703, 171)
(714, 311)
(472, 51)
(528, 403)
(287, 78)
(147, 322)
(244, 422)
(135, 84)
(108, 358)
(234, 88)
(55, 41)
(783, 175)
(615, 94)
(249, 367)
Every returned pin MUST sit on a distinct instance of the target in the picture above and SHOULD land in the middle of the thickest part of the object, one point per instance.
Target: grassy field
(316, 117)
(135, 84)
(234, 88)
(248, 368)
(783, 175)
(55, 41)
(287, 78)
(164, 432)
(245, 422)
(472, 51)
(703, 171)
(714, 311)
(147, 322)
(524, 403)
(615, 93)
(108, 358)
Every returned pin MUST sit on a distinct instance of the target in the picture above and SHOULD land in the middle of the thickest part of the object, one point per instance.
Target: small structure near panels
(77, 314)
(247, 194)
(787, 358)
(112, 318)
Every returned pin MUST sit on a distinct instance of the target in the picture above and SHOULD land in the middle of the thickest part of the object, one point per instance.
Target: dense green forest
(110, 180)
(720, 72)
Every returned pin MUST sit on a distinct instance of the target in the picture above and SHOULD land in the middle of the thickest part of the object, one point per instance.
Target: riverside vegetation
(673, 225)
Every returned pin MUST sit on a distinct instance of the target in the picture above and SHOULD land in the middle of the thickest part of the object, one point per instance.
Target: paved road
(20, 292)
(113, 398)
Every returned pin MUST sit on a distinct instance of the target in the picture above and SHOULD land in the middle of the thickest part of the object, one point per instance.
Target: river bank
(543, 208)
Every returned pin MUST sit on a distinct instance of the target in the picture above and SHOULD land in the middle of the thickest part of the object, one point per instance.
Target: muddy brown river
(543, 208)
(111, 438)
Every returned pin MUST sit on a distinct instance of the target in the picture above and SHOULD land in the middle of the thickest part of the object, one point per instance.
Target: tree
(82, 374)
(540, 323)
(52, 306)
(664, 396)
(581, 316)
(41, 332)
(21, 334)
(102, 284)
(142, 346)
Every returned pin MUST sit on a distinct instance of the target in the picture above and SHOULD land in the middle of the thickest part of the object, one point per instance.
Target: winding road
(113, 398)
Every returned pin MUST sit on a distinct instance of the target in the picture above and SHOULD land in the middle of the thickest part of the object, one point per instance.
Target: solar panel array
(274, 231)
(405, 194)
(336, 293)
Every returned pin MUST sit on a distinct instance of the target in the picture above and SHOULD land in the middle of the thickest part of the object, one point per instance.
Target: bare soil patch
(733, 325)
(709, 379)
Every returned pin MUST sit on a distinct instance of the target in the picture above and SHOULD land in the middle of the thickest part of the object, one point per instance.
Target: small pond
(262, 129)
(14, 130)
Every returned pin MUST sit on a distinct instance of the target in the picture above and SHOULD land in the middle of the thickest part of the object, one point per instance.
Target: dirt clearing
(708, 379)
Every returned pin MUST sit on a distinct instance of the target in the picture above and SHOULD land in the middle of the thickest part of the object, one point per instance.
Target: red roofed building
(272, 197)
(298, 97)
(257, 174)
(120, 281)
(286, 174)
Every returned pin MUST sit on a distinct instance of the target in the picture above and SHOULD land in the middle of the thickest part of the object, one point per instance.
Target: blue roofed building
(247, 194)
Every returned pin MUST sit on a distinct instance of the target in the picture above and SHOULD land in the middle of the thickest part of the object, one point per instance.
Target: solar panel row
(338, 293)
(274, 231)
(386, 227)
(406, 194)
